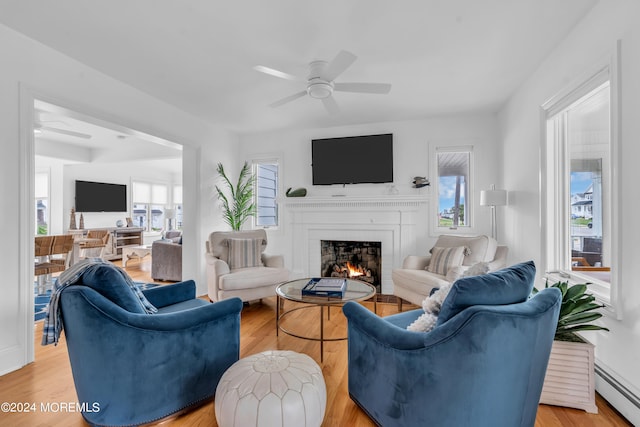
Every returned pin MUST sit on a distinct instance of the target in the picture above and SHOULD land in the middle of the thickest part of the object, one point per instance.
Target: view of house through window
(453, 188)
(588, 144)
(578, 190)
(266, 193)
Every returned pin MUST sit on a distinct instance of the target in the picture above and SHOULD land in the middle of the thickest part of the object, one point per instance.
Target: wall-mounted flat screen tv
(352, 160)
(100, 197)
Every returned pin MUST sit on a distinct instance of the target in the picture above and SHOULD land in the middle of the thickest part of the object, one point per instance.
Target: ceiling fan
(321, 81)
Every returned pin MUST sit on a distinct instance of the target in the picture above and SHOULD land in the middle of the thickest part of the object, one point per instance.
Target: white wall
(30, 70)
(411, 140)
(619, 350)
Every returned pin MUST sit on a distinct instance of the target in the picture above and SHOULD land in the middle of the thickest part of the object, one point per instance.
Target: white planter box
(570, 377)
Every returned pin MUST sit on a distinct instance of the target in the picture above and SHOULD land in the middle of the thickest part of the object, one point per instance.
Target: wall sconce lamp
(493, 198)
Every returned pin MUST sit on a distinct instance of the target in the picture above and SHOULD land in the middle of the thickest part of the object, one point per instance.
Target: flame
(354, 271)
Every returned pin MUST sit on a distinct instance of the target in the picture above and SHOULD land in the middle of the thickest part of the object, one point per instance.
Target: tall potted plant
(238, 205)
(570, 377)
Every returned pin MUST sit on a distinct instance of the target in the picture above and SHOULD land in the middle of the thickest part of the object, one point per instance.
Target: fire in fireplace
(352, 259)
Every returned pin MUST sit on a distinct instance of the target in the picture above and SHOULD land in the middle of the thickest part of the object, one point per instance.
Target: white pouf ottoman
(272, 388)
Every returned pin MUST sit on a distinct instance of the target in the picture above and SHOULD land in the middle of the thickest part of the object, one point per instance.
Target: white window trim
(435, 229)
(276, 158)
(169, 202)
(46, 171)
(608, 295)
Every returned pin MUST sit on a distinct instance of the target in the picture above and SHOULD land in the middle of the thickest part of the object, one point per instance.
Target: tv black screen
(352, 160)
(100, 197)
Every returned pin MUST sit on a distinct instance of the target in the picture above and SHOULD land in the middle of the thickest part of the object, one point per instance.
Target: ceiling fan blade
(65, 132)
(288, 99)
(330, 105)
(381, 88)
(340, 63)
(276, 73)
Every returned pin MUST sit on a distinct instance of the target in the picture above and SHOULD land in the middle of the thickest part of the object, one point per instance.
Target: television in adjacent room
(100, 197)
(352, 160)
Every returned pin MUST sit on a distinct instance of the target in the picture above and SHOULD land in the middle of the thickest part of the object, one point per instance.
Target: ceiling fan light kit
(320, 81)
(319, 89)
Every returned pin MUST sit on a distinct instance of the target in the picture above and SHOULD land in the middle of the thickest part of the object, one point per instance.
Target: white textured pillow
(431, 306)
(442, 259)
(477, 269)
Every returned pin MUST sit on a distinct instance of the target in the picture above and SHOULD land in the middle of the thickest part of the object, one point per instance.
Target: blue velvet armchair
(132, 368)
(482, 365)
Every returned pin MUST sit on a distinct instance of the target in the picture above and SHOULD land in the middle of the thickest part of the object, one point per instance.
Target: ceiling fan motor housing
(317, 87)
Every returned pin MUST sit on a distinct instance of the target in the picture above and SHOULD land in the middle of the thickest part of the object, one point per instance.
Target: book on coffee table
(325, 287)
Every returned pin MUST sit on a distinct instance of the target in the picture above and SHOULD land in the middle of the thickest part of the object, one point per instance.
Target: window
(149, 201)
(266, 193)
(453, 186)
(577, 192)
(42, 203)
(177, 205)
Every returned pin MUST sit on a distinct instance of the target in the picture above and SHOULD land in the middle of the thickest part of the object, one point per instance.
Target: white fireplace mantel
(395, 221)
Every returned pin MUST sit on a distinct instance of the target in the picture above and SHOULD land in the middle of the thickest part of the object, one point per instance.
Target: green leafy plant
(576, 311)
(239, 205)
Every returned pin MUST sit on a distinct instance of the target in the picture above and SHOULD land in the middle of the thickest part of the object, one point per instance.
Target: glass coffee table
(292, 291)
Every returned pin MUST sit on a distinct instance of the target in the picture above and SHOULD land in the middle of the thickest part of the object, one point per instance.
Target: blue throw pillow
(507, 286)
(110, 283)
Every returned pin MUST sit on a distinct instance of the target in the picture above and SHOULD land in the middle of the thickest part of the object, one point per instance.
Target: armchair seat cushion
(184, 305)
(246, 278)
(420, 281)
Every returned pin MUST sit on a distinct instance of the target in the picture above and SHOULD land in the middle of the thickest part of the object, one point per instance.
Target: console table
(120, 237)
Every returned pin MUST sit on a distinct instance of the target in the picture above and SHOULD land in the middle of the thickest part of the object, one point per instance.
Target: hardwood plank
(49, 378)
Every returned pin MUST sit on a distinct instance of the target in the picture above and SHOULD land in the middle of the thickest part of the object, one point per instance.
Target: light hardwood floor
(49, 378)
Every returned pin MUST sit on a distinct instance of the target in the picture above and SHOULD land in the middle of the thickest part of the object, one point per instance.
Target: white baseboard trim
(618, 395)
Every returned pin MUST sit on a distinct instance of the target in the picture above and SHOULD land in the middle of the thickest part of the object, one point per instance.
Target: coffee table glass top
(356, 291)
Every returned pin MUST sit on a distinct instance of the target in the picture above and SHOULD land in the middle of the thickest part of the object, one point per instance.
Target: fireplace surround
(399, 223)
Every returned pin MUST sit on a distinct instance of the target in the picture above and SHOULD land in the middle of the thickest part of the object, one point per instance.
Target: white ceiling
(441, 56)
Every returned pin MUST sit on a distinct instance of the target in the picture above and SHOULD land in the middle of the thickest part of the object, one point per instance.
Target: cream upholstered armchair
(238, 267)
(450, 258)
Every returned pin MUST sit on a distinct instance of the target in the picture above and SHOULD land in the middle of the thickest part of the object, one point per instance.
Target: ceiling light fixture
(319, 89)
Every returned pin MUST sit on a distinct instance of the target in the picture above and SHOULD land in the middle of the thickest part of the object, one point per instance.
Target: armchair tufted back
(217, 242)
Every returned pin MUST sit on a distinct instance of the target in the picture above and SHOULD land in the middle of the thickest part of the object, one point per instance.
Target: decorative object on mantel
(81, 221)
(129, 221)
(298, 192)
(420, 181)
(239, 205)
(119, 223)
(570, 377)
(72, 220)
(493, 198)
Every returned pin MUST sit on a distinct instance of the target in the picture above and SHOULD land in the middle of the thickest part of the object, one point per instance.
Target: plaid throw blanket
(53, 323)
